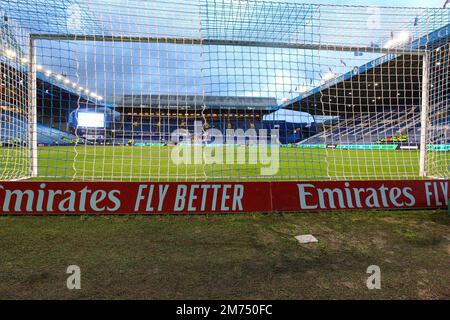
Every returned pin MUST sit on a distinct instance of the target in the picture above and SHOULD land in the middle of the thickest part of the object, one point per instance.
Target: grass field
(144, 163)
(227, 256)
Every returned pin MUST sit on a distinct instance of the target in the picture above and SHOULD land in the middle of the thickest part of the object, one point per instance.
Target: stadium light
(302, 89)
(11, 54)
(329, 76)
(48, 73)
(24, 60)
(401, 38)
(58, 77)
(38, 67)
(66, 81)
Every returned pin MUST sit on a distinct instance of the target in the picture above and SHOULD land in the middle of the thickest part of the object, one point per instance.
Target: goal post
(424, 115)
(32, 111)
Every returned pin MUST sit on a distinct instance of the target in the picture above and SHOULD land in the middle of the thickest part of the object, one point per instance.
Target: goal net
(198, 90)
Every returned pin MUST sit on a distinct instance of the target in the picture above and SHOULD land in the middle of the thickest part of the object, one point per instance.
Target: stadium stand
(371, 128)
(16, 131)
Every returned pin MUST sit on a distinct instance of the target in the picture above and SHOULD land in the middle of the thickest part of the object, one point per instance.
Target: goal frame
(32, 93)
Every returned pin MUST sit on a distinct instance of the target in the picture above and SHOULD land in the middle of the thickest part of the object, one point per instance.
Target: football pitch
(235, 256)
(238, 256)
(134, 163)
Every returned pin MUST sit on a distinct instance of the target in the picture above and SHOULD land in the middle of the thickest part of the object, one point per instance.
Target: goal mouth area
(147, 198)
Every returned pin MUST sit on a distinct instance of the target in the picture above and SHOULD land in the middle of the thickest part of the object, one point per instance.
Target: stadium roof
(398, 75)
(395, 82)
(53, 83)
(434, 39)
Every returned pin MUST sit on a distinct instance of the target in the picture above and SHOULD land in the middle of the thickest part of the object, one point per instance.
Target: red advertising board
(360, 195)
(221, 197)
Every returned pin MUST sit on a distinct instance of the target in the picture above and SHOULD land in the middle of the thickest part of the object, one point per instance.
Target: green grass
(145, 163)
(227, 256)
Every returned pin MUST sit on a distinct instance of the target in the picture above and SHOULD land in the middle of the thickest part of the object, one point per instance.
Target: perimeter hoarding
(222, 197)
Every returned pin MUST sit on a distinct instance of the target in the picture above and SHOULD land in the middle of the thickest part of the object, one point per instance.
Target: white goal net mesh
(185, 90)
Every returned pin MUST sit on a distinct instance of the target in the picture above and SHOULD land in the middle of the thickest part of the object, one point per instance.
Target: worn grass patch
(228, 256)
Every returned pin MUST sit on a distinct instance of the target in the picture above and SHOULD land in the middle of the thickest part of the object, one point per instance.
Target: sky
(115, 69)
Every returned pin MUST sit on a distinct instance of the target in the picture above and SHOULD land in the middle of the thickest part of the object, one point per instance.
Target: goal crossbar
(220, 42)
